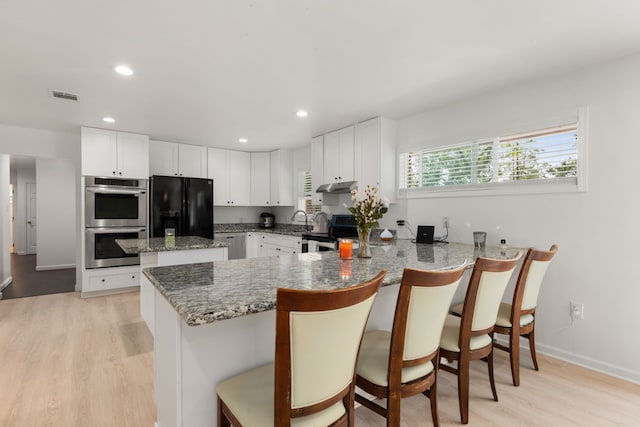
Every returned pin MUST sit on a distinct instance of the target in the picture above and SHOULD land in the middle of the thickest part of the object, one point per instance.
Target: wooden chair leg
(491, 378)
(532, 348)
(463, 388)
(222, 419)
(393, 410)
(433, 399)
(514, 356)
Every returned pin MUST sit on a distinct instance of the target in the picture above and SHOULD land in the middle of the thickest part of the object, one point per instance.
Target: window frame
(577, 184)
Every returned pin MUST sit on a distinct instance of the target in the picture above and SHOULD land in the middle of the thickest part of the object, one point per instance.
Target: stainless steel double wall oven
(115, 208)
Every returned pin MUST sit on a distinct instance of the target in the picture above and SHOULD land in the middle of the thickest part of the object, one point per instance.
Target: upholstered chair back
(427, 311)
(324, 349)
(490, 292)
(540, 261)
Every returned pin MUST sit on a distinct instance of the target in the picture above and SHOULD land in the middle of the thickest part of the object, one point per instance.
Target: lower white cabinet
(270, 244)
(110, 280)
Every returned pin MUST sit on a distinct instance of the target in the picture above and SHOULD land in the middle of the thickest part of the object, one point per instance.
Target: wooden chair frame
(396, 390)
(528, 331)
(293, 300)
(466, 355)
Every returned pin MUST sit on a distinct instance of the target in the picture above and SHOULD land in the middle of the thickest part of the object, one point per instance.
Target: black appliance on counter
(340, 226)
(184, 204)
(267, 220)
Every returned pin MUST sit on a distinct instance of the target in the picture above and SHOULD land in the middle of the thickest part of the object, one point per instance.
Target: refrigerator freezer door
(198, 213)
(166, 205)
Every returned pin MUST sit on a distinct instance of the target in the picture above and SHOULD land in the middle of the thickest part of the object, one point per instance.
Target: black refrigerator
(185, 204)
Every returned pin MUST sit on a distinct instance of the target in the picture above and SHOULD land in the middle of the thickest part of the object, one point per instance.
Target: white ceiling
(210, 71)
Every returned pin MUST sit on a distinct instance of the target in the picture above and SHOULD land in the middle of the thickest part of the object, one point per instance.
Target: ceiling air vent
(64, 95)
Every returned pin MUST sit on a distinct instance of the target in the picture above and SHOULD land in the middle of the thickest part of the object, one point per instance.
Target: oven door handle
(115, 230)
(115, 191)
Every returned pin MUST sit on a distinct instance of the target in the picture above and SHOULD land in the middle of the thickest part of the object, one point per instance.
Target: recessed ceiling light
(301, 113)
(124, 70)
(243, 140)
(109, 119)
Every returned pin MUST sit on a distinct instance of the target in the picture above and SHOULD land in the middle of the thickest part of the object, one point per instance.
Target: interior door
(32, 223)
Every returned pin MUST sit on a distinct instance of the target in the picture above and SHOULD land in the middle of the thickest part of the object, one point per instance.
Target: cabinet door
(260, 179)
(317, 172)
(192, 161)
(346, 155)
(282, 178)
(252, 245)
(99, 152)
(367, 154)
(163, 158)
(217, 170)
(239, 181)
(331, 157)
(133, 155)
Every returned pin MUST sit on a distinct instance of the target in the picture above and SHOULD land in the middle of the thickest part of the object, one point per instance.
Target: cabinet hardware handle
(103, 280)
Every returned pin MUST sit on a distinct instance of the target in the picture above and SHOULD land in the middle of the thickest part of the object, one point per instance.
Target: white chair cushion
(457, 309)
(451, 333)
(504, 314)
(250, 397)
(373, 362)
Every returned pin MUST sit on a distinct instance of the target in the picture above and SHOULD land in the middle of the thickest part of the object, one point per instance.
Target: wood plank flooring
(65, 361)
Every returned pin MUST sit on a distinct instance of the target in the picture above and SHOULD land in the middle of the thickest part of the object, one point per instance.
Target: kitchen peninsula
(157, 252)
(214, 320)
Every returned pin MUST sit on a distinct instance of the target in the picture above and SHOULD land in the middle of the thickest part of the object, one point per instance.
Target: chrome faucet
(293, 217)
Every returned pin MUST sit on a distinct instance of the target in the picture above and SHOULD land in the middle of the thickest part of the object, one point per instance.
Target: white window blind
(547, 155)
(306, 201)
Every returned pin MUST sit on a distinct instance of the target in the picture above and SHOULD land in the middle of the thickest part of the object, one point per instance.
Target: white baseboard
(6, 283)
(577, 359)
(54, 267)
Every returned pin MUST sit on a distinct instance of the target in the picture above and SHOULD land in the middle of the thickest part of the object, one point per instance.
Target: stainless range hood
(338, 187)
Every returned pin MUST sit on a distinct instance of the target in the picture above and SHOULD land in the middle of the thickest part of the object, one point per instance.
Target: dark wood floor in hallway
(28, 282)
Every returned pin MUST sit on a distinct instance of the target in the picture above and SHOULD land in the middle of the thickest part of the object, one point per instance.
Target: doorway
(37, 265)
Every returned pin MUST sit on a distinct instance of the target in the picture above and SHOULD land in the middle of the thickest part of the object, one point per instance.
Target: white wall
(597, 231)
(56, 205)
(237, 214)
(5, 216)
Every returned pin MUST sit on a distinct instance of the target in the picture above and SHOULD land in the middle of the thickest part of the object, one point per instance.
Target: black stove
(341, 226)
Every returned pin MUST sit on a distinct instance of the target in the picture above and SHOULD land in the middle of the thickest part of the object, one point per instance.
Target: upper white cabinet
(282, 178)
(260, 179)
(111, 153)
(339, 155)
(375, 156)
(317, 168)
(230, 171)
(173, 159)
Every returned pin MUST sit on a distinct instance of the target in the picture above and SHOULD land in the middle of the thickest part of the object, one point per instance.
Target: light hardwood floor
(65, 361)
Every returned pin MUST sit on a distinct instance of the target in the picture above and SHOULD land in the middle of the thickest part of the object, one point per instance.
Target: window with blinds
(305, 202)
(542, 156)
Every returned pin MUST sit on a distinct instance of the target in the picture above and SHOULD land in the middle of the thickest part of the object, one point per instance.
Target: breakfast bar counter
(216, 319)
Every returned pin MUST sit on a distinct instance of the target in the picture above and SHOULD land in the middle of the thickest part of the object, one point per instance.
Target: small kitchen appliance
(267, 220)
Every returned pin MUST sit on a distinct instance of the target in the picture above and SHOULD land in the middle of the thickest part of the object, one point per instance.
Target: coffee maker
(267, 220)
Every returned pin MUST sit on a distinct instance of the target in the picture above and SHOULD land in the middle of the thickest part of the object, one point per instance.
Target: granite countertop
(157, 244)
(208, 292)
(285, 229)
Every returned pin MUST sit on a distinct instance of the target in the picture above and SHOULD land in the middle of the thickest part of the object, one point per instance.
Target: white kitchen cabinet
(277, 244)
(260, 179)
(339, 155)
(375, 156)
(173, 159)
(230, 171)
(317, 168)
(281, 178)
(111, 153)
(102, 281)
(252, 244)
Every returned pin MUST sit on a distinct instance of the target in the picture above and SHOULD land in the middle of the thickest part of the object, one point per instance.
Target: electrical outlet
(576, 310)
(445, 222)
